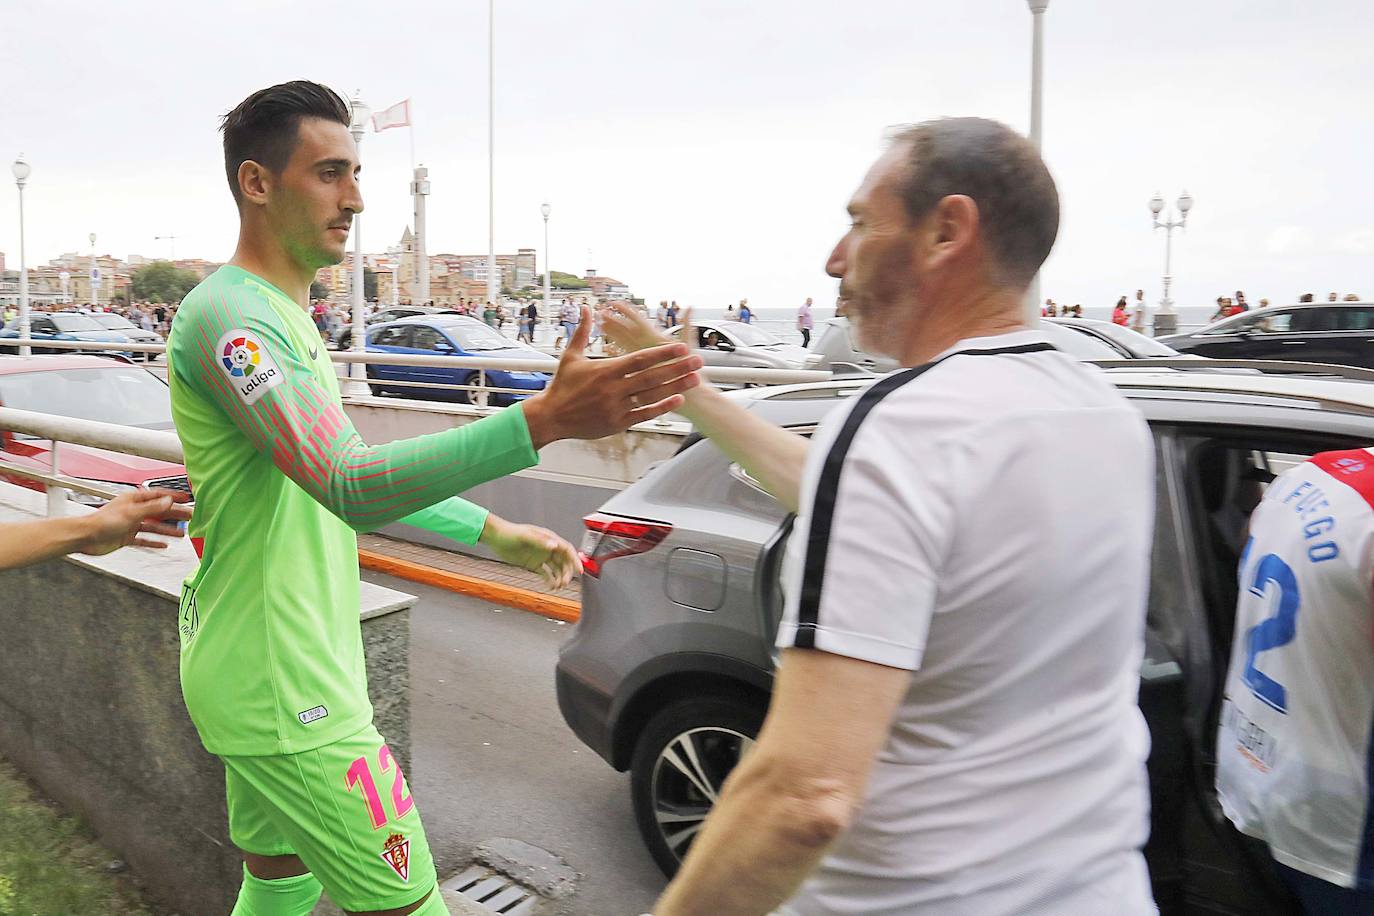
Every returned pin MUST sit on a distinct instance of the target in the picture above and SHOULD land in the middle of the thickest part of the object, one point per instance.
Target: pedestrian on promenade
(1331, 297)
(1138, 316)
(662, 314)
(745, 315)
(1119, 316)
(568, 317)
(489, 315)
(1052, 311)
(805, 322)
(672, 314)
(271, 650)
(1294, 739)
(953, 726)
(527, 322)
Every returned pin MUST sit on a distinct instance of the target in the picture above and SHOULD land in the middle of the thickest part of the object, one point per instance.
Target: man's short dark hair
(1018, 203)
(264, 126)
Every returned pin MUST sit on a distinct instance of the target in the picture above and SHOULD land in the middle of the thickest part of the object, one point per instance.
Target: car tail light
(610, 536)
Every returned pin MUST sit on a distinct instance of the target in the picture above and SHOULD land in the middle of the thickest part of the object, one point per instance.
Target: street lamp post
(21, 171)
(95, 275)
(1166, 320)
(1037, 8)
(493, 279)
(357, 372)
(545, 209)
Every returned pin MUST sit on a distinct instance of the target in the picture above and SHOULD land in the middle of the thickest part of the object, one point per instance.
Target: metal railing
(146, 443)
(479, 391)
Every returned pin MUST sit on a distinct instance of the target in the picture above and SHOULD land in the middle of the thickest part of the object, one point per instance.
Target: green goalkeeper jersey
(271, 647)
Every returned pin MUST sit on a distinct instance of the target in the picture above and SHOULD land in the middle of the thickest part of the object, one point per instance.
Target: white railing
(146, 443)
(478, 391)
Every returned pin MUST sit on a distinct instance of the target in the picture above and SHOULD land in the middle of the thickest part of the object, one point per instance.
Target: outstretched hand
(589, 399)
(533, 548)
(627, 328)
(125, 519)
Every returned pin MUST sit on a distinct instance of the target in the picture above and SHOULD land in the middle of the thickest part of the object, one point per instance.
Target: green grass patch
(49, 863)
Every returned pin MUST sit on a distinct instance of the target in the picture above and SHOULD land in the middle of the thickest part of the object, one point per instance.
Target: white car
(734, 343)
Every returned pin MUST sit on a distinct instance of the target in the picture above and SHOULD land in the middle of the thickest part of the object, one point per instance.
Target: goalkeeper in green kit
(271, 650)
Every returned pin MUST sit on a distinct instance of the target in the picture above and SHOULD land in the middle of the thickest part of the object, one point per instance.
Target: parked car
(836, 349)
(87, 388)
(1131, 344)
(451, 335)
(734, 343)
(344, 341)
(65, 326)
(669, 671)
(118, 323)
(1341, 333)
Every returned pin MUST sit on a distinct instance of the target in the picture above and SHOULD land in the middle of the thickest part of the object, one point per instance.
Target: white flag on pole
(397, 115)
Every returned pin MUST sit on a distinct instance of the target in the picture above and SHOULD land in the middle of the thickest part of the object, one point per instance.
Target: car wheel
(679, 766)
(478, 396)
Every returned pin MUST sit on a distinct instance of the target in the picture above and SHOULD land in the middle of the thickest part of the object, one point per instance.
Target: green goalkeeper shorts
(345, 809)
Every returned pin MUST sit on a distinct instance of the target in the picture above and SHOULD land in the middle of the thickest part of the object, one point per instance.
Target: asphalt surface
(493, 758)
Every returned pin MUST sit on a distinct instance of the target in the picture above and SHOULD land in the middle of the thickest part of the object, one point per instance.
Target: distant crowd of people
(150, 316)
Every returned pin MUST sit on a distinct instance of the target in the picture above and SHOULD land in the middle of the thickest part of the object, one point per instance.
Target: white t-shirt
(1294, 755)
(986, 524)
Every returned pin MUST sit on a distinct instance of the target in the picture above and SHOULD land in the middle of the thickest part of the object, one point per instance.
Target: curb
(522, 599)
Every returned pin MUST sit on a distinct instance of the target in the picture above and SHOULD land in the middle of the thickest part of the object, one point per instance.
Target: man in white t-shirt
(1294, 751)
(954, 728)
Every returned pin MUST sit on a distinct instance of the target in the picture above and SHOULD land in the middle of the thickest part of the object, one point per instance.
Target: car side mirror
(725, 346)
(443, 346)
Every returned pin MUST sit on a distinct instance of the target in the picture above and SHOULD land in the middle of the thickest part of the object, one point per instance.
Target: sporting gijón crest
(396, 853)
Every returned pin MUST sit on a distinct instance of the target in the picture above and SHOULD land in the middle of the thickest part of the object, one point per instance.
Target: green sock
(278, 897)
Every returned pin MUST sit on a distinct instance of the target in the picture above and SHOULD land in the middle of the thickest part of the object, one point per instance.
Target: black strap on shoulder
(828, 485)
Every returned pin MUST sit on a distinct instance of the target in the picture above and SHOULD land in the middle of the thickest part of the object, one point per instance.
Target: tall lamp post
(357, 372)
(1037, 8)
(1166, 321)
(493, 279)
(95, 275)
(21, 171)
(545, 209)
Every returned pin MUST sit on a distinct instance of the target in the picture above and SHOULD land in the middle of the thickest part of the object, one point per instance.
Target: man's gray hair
(1018, 203)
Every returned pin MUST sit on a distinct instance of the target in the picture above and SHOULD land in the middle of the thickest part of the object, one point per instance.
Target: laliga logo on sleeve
(247, 364)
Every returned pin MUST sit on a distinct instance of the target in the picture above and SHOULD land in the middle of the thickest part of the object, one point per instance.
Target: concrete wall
(572, 478)
(91, 708)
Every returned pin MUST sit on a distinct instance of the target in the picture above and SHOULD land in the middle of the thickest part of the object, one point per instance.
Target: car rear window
(126, 395)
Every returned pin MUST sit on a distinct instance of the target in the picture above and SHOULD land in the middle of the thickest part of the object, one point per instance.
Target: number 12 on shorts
(360, 774)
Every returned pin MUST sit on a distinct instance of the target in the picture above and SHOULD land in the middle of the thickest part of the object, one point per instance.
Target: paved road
(492, 757)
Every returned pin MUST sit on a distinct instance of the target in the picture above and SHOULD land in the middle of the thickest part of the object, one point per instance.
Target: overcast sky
(704, 150)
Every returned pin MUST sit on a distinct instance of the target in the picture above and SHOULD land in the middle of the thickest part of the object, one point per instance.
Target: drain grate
(495, 892)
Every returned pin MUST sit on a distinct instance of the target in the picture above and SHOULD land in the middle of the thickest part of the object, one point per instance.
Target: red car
(102, 388)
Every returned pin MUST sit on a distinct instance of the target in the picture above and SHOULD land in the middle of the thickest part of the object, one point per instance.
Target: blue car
(450, 335)
(64, 326)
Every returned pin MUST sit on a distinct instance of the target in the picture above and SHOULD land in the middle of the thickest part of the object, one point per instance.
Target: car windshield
(1078, 344)
(1135, 341)
(748, 335)
(70, 324)
(1132, 341)
(114, 322)
(119, 394)
(473, 336)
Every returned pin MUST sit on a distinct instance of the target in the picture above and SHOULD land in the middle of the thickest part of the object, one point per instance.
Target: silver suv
(835, 348)
(668, 673)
